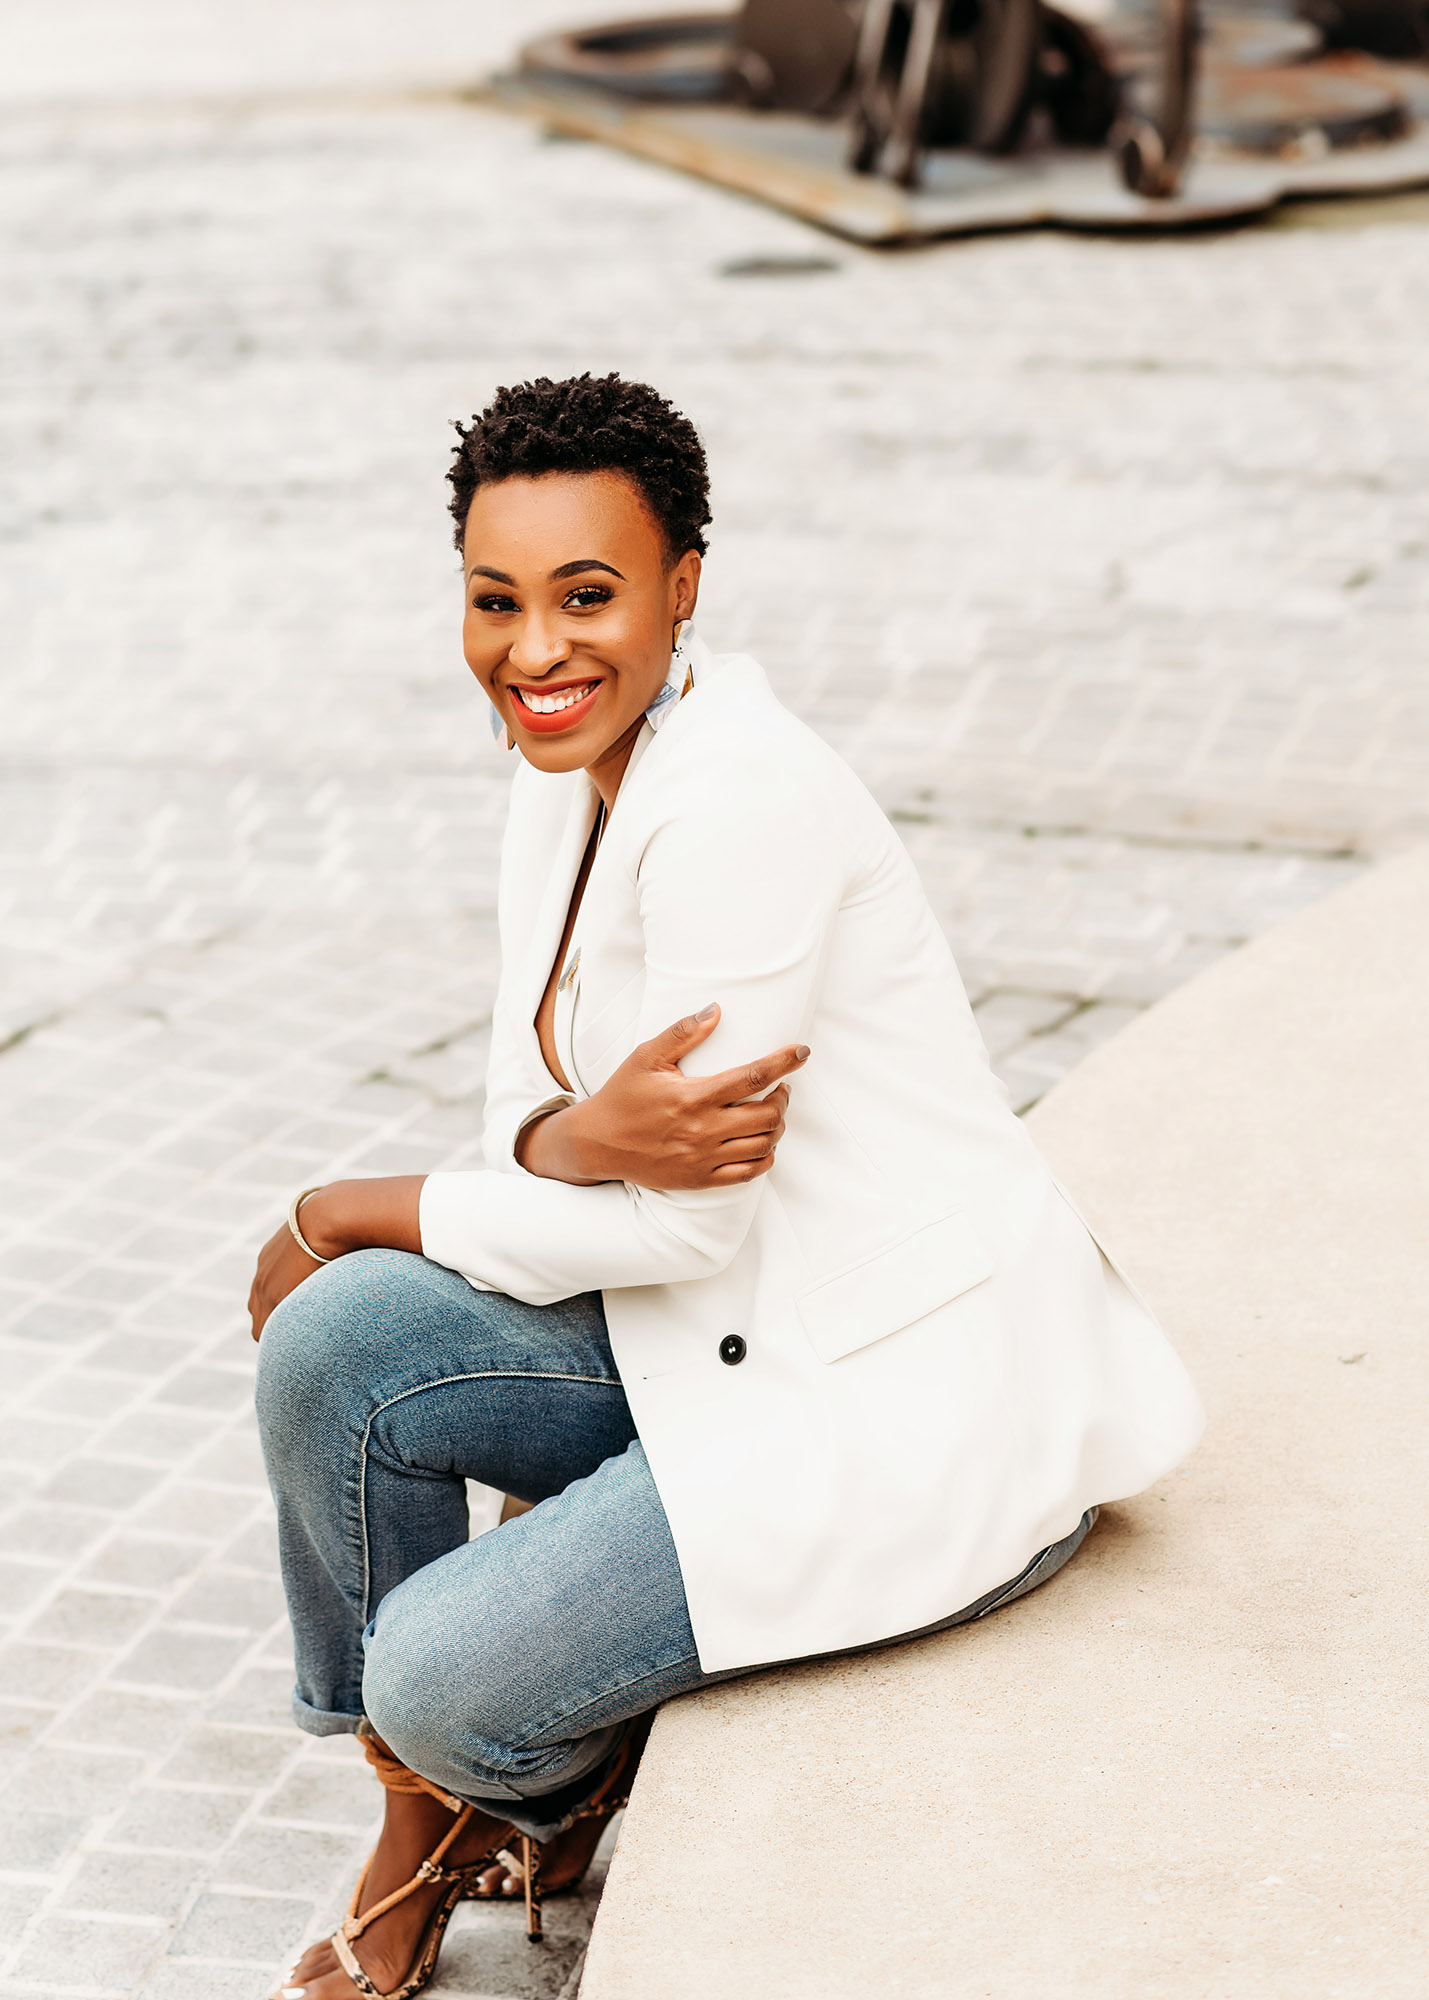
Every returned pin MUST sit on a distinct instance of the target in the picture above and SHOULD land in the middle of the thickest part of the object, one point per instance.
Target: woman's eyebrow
(496, 575)
(575, 568)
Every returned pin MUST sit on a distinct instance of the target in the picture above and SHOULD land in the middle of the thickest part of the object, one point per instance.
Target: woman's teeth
(552, 704)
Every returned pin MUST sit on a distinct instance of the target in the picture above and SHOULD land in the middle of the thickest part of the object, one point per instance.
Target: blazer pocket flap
(894, 1287)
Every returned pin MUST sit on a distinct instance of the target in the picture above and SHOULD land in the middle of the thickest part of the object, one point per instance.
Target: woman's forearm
(364, 1215)
(555, 1148)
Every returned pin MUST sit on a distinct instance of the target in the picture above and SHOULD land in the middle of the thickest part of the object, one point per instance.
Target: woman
(765, 1298)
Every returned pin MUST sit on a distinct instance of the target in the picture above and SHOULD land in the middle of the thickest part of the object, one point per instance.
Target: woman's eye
(494, 604)
(588, 597)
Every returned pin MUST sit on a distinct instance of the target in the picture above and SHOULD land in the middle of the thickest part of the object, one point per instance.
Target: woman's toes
(499, 1881)
(315, 1961)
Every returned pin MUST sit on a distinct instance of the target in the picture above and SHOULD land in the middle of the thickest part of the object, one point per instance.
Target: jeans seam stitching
(420, 1388)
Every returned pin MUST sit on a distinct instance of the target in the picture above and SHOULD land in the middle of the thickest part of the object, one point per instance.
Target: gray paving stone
(171, 1657)
(230, 1757)
(188, 1508)
(234, 1458)
(21, 1723)
(144, 1562)
(99, 1482)
(140, 1885)
(277, 1857)
(156, 1437)
(109, 1283)
(261, 1697)
(34, 1842)
(86, 1952)
(254, 1547)
(21, 1583)
(226, 1597)
(17, 1902)
(110, 1719)
(91, 1618)
(212, 1389)
(42, 1441)
(254, 1929)
(45, 1673)
(185, 1979)
(314, 1796)
(134, 1353)
(178, 1821)
(87, 1394)
(81, 1780)
(59, 1321)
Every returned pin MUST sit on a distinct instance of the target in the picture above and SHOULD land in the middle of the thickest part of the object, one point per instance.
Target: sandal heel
(531, 1869)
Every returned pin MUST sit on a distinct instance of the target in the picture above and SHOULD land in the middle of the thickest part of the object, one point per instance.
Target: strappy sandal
(459, 1881)
(612, 1796)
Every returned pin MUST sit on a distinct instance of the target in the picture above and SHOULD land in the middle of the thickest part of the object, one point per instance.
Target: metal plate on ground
(796, 163)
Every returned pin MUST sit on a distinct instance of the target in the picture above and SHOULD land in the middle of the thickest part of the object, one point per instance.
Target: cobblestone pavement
(1101, 562)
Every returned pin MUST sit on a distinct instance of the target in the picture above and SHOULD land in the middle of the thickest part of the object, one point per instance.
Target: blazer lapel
(553, 894)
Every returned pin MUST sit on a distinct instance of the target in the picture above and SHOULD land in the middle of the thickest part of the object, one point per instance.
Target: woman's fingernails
(802, 1052)
(294, 1992)
(708, 1013)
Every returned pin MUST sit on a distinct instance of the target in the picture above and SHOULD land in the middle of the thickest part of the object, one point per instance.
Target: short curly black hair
(589, 423)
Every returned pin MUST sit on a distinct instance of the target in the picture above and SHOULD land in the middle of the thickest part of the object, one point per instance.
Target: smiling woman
(576, 649)
(765, 1300)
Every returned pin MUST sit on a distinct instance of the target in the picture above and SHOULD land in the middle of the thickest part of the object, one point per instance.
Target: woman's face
(571, 605)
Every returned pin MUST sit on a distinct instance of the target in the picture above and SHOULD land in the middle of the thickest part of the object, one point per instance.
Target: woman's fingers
(744, 1121)
(665, 1050)
(732, 1086)
(743, 1170)
(755, 1146)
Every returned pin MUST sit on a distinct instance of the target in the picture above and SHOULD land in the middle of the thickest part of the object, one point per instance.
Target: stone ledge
(1193, 1765)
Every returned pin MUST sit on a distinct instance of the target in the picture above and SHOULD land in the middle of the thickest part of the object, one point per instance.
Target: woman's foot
(415, 1824)
(566, 1857)
(564, 1861)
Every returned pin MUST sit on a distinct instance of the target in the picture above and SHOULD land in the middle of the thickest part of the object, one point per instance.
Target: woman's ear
(687, 584)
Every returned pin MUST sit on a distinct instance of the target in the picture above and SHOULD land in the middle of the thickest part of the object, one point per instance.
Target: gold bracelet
(298, 1237)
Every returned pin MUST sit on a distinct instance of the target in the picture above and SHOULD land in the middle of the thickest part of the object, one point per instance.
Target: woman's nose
(537, 648)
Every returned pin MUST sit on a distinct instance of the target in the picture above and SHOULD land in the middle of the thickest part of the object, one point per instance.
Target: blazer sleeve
(738, 880)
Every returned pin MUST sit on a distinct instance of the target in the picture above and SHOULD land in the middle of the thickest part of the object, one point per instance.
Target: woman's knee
(421, 1687)
(311, 1356)
(439, 1684)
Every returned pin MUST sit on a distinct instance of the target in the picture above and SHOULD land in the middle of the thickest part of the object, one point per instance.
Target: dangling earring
(678, 655)
(499, 728)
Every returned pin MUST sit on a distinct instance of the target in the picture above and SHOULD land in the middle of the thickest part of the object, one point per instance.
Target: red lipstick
(564, 718)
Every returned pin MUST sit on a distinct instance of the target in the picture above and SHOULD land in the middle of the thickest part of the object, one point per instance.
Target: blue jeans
(506, 1669)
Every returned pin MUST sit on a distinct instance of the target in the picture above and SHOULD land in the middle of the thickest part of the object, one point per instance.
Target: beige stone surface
(1193, 1766)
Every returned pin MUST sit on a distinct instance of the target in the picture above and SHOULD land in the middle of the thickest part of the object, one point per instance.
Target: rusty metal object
(1075, 81)
(946, 93)
(679, 58)
(893, 67)
(1309, 108)
(1396, 28)
(1153, 139)
(944, 72)
(796, 55)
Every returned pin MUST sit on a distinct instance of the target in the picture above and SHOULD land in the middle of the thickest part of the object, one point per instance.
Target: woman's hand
(345, 1215)
(657, 1128)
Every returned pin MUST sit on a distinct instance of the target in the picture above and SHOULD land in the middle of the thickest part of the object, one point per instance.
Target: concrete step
(1193, 1764)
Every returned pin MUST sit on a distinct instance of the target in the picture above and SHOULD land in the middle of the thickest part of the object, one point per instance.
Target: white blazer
(940, 1370)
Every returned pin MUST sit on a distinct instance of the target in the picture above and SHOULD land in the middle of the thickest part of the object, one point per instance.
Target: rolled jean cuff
(543, 1815)
(323, 1721)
